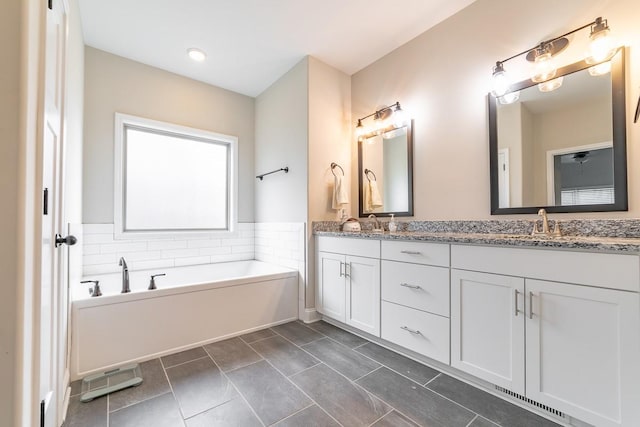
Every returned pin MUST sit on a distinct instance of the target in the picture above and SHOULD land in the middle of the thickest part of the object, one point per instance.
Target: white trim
(505, 174)
(124, 119)
(551, 192)
(310, 315)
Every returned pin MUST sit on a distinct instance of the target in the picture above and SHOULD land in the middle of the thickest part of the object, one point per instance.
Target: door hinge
(45, 202)
(50, 4)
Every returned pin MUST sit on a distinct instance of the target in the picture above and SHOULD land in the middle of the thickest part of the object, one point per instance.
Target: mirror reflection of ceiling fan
(581, 157)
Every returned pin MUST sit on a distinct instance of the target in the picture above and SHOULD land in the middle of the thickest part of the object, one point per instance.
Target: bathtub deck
(291, 375)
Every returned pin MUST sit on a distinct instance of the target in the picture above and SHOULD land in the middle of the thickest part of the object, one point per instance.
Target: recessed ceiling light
(196, 54)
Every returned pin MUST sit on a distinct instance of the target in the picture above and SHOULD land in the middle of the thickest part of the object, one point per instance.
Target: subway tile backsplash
(101, 251)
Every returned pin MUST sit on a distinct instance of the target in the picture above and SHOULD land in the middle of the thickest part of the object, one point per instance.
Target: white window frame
(124, 120)
(551, 154)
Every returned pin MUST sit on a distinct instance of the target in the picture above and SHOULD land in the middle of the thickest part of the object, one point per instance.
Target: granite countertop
(629, 245)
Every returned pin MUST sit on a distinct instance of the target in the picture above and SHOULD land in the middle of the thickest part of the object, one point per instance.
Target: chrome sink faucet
(545, 226)
(376, 224)
(125, 276)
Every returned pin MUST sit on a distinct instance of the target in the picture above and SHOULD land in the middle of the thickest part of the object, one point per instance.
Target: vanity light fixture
(385, 119)
(601, 50)
(601, 47)
(196, 54)
(544, 68)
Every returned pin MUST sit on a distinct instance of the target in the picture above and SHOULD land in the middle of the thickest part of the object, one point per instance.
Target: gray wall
(116, 84)
(10, 28)
(281, 114)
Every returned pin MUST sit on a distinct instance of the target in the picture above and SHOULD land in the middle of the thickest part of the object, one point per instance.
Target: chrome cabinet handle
(341, 264)
(530, 305)
(408, 329)
(516, 297)
(411, 252)
(406, 285)
(347, 273)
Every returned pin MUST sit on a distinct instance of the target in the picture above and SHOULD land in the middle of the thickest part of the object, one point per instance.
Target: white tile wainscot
(101, 251)
(283, 243)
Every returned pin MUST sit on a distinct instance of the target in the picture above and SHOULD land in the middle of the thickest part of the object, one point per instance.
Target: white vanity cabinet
(571, 345)
(415, 297)
(348, 279)
(487, 327)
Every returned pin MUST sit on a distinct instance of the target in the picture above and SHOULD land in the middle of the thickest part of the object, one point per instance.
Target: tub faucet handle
(95, 291)
(152, 282)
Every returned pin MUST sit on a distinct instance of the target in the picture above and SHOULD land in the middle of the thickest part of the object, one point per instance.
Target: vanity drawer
(400, 279)
(615, 271)
(416, 252)
(349, 246)
(424, 333)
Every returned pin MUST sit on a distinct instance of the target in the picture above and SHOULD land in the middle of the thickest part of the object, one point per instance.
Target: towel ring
(335, 165)
(369, 171)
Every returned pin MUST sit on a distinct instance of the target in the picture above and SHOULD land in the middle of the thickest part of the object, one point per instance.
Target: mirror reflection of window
(583, 177)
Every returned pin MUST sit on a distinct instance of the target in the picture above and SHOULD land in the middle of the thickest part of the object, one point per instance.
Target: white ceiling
(251, 43)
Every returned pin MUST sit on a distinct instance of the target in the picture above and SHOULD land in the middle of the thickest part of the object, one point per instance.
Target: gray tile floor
(295, 375)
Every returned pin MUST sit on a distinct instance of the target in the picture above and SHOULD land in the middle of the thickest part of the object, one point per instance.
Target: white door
(583, 355)
(363, 294)
(50, 283)
(487, 327)
(331, 285)
(504, 199)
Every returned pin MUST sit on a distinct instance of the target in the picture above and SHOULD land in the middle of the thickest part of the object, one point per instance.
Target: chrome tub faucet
(125, 276)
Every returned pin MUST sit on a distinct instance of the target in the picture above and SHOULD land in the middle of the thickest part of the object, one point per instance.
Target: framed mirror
(385, 173)
(563, 150)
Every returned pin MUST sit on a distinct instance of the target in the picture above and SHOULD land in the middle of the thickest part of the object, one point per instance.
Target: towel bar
(285, 169)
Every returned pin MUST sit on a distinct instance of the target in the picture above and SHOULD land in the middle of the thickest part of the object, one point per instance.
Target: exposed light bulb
(550, 85)
(360, 129)
(196, 54)
(544, 68)
(601, 46)
(499, 81)
(509, 98)
(600, 69)
(399, 117)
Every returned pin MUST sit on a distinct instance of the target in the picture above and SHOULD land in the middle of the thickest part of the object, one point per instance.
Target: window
(171, 179)
(588, 196)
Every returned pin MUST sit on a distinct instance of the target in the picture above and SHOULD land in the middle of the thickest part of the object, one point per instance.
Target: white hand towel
(340, 197)
(375, 200)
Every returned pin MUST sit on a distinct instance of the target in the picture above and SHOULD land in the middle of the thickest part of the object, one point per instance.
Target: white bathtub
(192, 306)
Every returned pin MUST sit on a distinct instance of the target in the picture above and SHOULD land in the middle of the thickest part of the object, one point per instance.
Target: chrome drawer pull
(516, 303)
(406, 285)
(530, 305)
(408, 329)
(411, 252)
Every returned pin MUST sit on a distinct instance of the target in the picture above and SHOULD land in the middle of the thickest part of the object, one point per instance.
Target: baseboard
(310, 315)
(67, 396)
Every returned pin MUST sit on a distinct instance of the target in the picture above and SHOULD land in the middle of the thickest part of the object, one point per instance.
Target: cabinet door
(487, 327)
(582, 351)
(331, 285)
(363, 294)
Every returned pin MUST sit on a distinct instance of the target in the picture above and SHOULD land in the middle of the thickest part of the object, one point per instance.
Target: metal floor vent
(545, 408)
